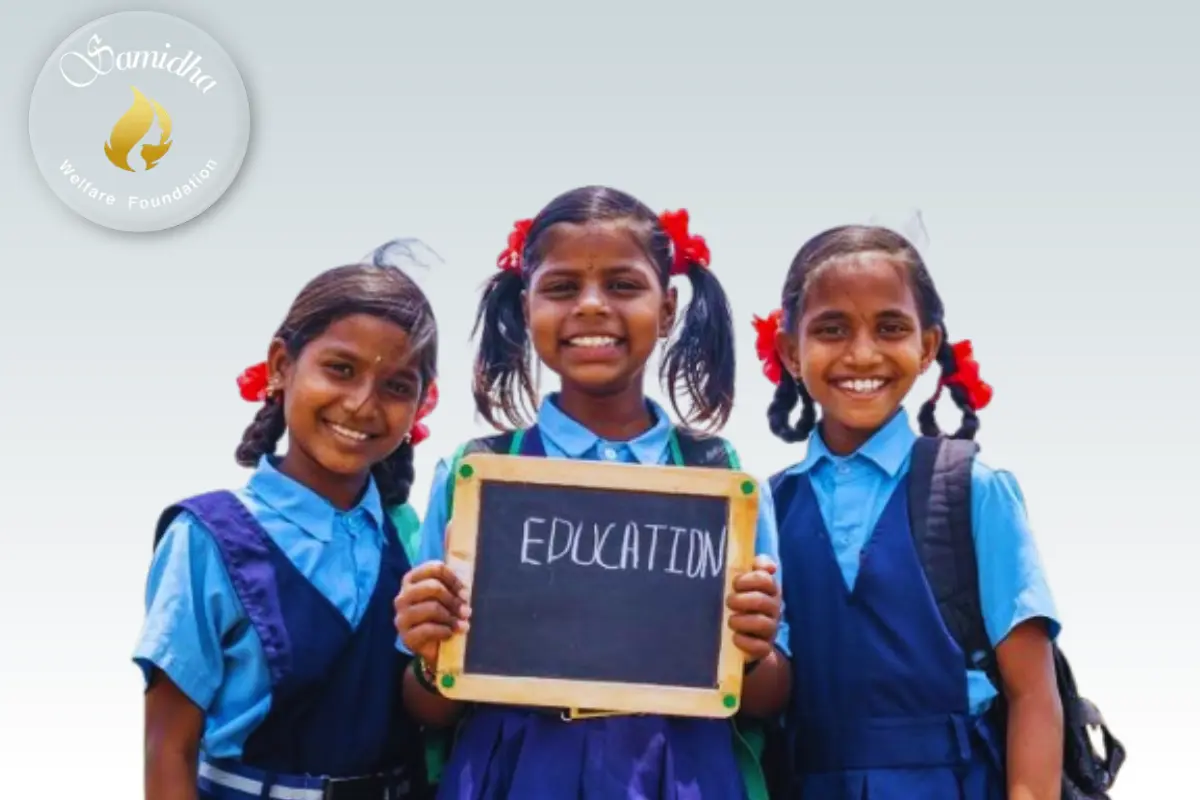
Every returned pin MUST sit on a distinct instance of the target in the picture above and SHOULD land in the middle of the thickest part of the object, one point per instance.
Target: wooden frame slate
(737, 489)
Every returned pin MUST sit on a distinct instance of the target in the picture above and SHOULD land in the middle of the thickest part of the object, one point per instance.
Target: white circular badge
(139, 121)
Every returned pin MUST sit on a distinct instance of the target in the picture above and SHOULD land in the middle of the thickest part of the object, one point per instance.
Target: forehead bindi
(593, 247)
(366, 339)
(865, 285)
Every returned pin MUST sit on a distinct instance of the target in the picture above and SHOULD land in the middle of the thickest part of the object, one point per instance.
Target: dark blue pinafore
(336, 727)
(506, 752)
(879, 705)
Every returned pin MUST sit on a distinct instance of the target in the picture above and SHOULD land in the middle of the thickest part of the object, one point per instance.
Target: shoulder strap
(690, 450)
(508, 443)
(940, 510)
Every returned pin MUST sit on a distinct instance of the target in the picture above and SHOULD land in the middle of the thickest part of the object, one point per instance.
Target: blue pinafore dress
(879, 707)
(336, 727)
(509, 752)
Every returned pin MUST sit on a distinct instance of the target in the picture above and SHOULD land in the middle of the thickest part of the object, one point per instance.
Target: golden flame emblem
(132, 127)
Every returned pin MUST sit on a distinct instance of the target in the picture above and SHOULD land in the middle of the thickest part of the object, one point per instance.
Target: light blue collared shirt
(853, 490)
(196, 630)
(563, 437)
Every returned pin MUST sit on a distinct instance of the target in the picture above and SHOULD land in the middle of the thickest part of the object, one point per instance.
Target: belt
(223, 780)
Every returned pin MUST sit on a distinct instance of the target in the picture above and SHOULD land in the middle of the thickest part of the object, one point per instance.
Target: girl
(268, 647)
(586, 284)
(885, 704)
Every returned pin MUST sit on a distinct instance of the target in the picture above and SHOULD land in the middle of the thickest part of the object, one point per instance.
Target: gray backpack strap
(940, 511)
(690, 450)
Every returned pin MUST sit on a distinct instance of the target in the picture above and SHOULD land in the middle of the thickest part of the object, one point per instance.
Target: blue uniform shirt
(853, 490)
(196, 630)
(563, 437)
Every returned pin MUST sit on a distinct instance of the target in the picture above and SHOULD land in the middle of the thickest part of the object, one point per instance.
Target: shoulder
(706, 450)
(996, 485)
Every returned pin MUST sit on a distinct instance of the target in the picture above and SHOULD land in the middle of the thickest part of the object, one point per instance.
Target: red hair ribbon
(688, 249)
(764, 345)
(420, 431)
(252, 383)
(510, 259)
(966, 375)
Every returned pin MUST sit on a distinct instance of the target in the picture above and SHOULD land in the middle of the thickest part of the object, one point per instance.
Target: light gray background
(1052, 148)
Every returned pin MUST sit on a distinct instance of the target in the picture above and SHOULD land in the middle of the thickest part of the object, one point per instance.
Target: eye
(339, 369)
(895, 330)
(404, 389)
(625, 285)
(829, 330)
(557, 288)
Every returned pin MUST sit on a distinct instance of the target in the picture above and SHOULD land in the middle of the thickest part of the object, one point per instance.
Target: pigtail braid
(394, 475)
(788, 392)
(926, 416)
(263, 433)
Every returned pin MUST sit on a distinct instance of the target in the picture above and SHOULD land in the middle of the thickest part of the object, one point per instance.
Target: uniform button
(610, 454)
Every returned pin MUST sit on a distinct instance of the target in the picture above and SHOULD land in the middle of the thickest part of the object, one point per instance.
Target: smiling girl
(268, 646)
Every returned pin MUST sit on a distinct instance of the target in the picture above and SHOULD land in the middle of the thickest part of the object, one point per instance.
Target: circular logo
(139, 121)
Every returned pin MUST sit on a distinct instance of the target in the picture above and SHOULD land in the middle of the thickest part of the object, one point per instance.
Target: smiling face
(858, 345)
(349, 399)
(596, 306)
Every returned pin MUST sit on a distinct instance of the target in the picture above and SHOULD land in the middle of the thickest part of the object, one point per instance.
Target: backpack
(940, 509)
(760, 748)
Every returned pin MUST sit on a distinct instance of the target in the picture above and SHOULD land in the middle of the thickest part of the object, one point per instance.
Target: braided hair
(699, 363)
(819, 253)
(382, 291)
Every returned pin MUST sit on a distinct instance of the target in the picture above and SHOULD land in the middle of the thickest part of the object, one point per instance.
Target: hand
(755, 606)
(431, 607)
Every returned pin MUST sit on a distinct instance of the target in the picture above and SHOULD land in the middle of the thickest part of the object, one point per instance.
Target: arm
(1021, 621)
(190, 608)
(1035, 722)
(431, 599)
(174, 725)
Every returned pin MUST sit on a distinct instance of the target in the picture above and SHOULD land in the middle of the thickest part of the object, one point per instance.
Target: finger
(755, 649)
(766, 564)
(754, 625)
(439, 571)
(756, 581)
(432, 591)
(422, 613)
(754, 603)
(426, 639)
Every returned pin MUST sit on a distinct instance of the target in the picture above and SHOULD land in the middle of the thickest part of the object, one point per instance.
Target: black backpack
(940, 510)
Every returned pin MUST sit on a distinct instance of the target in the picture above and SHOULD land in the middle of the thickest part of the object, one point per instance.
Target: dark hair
(385, 292)
(825, 249)
(699, 362)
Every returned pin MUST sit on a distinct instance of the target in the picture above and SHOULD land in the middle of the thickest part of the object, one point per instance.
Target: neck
(342, 491)
(618, 417)
(842, 440)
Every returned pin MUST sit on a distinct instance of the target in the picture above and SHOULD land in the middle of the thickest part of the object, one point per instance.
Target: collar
(887, 448)
(576, 441)
(304, 508)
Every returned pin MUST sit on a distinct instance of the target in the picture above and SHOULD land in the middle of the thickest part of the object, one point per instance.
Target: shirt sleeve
(1013, 587)
(431, 545)
(766, 543)
(190, 609)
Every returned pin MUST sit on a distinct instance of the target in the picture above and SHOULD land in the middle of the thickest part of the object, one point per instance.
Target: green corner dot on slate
(747, 487)
(729, 700)
(448, 680)
(466, 470)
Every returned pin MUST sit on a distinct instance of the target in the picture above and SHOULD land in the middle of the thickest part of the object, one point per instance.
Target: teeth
(862, 385)
(594, 341)
(349, 433)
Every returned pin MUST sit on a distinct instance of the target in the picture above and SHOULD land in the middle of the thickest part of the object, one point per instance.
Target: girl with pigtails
(268, 647)
(886, 703)
(585, 288)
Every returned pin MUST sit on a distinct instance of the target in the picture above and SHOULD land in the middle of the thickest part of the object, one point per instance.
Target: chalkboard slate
(598, 586)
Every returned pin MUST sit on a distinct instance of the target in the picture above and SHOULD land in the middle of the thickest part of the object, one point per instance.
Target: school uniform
(507, 752)
(272, 611)
(883, 704)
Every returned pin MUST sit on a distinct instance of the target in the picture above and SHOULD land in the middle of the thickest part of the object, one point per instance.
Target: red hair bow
(252, 383)
(966, 375)
(764, 345)
(689, 249)
(510, 259)
(420, 431)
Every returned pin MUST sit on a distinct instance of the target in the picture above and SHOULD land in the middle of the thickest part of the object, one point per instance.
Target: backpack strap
(940, 510)
(691, 450)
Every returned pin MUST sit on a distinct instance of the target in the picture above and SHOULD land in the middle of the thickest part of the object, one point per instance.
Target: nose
(591, 300)
(862, 350)
(359, 395)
